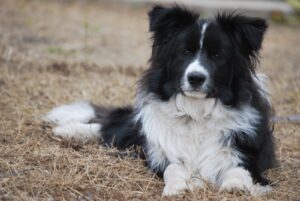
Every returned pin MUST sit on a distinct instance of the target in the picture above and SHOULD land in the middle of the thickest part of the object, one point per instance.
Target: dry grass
(55, 52)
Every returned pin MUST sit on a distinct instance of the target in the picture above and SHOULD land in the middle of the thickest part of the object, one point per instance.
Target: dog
(202, 113)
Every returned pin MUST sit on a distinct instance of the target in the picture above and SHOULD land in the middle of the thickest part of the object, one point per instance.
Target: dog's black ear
(248, 32)
(169, 20)
(154, 15)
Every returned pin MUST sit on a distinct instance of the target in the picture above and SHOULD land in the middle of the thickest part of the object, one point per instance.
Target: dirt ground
(56, 52)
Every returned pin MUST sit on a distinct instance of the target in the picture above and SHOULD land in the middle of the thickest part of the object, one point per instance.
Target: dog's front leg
(176, 180)
(240, 179)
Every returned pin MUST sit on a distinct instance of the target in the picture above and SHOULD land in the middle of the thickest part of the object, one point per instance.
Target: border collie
(201, 113)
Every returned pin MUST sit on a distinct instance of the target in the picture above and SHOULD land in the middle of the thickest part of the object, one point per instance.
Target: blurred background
(58, 51)
(107, 32)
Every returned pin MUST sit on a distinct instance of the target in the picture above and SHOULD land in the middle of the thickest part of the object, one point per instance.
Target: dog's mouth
(194, 94)
(201, 92)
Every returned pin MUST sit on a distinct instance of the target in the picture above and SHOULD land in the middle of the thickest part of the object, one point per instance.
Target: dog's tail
(83, 121)
(73, 121)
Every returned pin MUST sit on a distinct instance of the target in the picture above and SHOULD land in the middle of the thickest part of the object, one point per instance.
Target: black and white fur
(201, 112)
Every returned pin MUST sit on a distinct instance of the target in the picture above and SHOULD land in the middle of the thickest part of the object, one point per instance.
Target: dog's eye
(186, 52)
(217, 55)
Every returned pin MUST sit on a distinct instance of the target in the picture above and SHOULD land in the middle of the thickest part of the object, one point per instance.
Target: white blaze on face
(196, 67)
(203, 34)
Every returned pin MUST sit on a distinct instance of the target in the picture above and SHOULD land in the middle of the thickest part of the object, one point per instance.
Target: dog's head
(202, 58)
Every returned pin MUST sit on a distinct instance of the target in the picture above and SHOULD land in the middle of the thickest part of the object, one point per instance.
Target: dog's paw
(258, 190)
(233, 185)
(174, 189)
(236, 179)
(195, 183)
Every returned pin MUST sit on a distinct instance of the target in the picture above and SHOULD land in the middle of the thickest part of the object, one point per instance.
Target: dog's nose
(196, 79)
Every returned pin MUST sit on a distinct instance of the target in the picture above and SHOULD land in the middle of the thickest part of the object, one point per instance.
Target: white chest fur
(193, 132)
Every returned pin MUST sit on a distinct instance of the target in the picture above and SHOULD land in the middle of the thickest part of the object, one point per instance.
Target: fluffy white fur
(189, 136)
(240, 179)
(262, 83)
(72, 121)
(78, 131)
(178, 179)
(76, 112)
